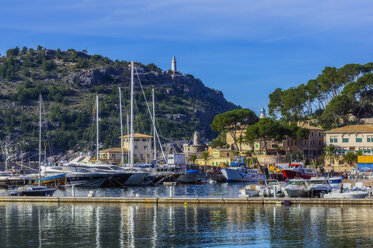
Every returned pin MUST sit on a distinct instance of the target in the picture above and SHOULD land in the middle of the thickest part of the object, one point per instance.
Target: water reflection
(126, 225)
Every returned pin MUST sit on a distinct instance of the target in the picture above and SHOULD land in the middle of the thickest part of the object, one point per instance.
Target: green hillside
(69, 81)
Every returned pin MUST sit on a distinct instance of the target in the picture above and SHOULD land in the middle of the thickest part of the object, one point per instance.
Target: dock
(186, 200)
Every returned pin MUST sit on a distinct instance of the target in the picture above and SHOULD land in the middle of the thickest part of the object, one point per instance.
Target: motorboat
(251, 190)
(32, 191)
(273, 188)
(242, 174)
(238, 172)
(297, 188)
(298, 171)
(8, 180)
(319, 186)
(347, 193)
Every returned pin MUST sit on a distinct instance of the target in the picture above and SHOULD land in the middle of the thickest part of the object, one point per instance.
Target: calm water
(126, 225)
(190, 190)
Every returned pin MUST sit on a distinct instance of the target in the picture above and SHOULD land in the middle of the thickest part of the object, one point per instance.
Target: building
(196, 147)
(113, 155)
(142, 150)
(218, 157)
(311, 148)
(351, 138)
(142, 146)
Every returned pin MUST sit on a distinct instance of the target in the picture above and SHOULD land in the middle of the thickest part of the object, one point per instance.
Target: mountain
(69, 81)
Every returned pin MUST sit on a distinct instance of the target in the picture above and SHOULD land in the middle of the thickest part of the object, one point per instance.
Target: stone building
(196, 147)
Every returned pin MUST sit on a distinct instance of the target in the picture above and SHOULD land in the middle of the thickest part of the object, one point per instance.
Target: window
(359, 140)
(333, 139)
(312, 133)
(345, 140)
(370, 138)
(145, 148)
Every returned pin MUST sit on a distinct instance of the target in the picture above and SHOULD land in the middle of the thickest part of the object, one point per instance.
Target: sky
(244, 48)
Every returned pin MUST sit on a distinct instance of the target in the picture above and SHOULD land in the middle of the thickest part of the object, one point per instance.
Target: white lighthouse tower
(173, 66)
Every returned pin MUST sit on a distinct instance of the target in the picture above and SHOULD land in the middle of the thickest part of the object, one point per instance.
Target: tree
(350, 158)
(192, 158)
(233, 121)
(265, 130)
(205, 156)
(330, 154)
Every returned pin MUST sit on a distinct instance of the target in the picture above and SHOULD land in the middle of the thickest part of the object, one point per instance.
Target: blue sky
(244, 48)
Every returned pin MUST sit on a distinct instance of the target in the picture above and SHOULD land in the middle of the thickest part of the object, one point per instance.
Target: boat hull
(296, 192)
(233, 175)
(291, 174)
(348, 195)
(33, 192)
(116, 180)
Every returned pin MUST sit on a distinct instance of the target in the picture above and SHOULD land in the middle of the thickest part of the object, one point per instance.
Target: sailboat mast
(128, 135)
(154, 140)
(97, 129)
(131, 131)
(121, 127)
(39, 139)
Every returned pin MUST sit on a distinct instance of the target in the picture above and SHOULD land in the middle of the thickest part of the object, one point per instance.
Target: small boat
(57, 180)
(273, 188)
(251, 190)
(32, 191)
(319, 186)
(297, 188)
(347, 193)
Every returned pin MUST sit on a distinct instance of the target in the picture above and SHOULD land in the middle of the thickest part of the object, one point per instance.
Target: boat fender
(286, 203)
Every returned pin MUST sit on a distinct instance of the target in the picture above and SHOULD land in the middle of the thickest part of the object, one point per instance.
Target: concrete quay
(186, 200)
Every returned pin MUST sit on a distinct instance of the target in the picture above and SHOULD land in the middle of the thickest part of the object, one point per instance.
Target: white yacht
(297, 188)
(319, 186)
(273, 188)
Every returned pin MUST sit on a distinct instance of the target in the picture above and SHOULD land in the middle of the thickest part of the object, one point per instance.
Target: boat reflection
(130, 225)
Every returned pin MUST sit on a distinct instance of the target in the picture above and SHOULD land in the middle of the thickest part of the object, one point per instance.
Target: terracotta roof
(312, 127)
(353, 129)
(113, 150)
(138, 135)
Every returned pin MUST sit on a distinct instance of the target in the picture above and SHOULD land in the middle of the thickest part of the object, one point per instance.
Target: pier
(188, 200)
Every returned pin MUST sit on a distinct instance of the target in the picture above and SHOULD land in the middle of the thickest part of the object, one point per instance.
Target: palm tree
(205, 156)
(192, 158)
(330, 154)
(350, 158)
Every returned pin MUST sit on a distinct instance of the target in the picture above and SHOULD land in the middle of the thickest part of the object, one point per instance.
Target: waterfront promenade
(189, 200)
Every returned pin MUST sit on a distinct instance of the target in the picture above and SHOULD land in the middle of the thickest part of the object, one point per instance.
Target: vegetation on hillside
(69, 81)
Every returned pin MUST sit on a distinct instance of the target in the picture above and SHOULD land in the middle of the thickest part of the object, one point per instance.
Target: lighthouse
(173, 66)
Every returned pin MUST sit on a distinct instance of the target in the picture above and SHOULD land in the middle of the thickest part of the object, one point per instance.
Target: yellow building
(218, 157)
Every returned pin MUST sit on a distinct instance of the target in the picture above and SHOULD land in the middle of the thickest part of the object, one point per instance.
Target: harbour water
(130, 225)
(180, 190)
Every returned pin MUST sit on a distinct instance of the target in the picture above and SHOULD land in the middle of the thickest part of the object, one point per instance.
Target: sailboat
(32, 190)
